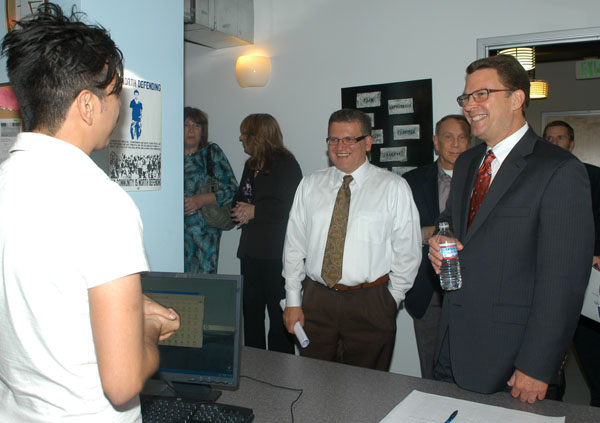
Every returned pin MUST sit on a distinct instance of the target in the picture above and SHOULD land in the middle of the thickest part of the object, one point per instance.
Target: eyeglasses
(345, 141)
(478, 95)
(191, 125)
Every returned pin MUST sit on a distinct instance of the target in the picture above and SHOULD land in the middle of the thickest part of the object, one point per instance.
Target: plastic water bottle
(450, 278)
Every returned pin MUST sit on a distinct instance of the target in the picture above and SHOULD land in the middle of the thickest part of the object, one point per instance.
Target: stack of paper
(419, 407)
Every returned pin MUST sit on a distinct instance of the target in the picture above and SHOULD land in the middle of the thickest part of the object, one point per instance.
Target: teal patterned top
(201, 241)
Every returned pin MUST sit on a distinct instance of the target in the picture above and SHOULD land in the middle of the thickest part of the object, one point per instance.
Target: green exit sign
(587, 69)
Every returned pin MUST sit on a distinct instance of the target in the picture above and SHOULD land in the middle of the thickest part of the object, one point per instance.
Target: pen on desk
(452, 416)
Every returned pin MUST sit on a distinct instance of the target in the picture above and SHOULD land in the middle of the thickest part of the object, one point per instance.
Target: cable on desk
(300, 391)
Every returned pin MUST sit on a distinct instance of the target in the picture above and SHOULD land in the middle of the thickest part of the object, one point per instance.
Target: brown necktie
(482, 184)
(334, 249)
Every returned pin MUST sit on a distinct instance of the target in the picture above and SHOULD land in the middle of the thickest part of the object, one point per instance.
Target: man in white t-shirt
(77, 337)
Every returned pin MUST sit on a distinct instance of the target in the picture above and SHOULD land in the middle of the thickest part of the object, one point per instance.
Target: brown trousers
(353, 327)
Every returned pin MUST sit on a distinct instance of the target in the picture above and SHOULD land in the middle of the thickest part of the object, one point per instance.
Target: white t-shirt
(64, 228)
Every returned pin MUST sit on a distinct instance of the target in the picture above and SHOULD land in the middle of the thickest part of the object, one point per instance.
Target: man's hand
(527, 388)
(291, 315)
(434, 253)
(164, 319)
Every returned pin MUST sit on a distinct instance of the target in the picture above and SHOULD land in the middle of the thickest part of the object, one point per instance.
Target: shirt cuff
(293, 298)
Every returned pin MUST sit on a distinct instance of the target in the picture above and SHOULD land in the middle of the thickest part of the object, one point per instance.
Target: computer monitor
(205, 352)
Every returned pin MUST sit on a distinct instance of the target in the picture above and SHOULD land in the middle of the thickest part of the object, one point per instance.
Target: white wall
(317, 47)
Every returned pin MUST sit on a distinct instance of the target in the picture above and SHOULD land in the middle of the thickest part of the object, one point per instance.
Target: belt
(380, 281)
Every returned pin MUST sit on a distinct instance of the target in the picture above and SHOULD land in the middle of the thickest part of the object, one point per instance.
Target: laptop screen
(206, 348)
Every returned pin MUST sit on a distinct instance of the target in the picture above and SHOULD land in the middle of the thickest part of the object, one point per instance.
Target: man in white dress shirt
(354, 320)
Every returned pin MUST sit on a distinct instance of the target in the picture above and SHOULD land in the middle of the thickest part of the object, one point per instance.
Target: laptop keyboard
(175, 410)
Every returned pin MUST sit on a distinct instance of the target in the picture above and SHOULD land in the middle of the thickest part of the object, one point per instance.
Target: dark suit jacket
(263, 236)
(423, 182)
(525, 265)
(594, 175)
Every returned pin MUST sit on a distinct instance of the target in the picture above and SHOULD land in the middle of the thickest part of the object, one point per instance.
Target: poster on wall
(401, 122)
(135, 148)
(10, 120)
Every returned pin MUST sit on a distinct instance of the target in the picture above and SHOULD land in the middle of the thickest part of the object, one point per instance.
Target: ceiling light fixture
(538, 89)
(525, 56)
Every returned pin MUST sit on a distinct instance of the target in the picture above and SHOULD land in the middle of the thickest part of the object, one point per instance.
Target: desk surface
(340, 393)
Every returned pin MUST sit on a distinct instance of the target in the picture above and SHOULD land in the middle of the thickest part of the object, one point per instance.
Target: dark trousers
(442, 371)
(264, 287)
(587, 345)
(426, 329)
(353, 327)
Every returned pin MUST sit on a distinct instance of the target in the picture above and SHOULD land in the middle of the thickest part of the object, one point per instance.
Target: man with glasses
(430, 187)
(353, 244)
(521, 210)
(587, 334)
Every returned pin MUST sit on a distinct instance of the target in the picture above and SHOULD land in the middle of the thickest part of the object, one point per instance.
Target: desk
(336, 392)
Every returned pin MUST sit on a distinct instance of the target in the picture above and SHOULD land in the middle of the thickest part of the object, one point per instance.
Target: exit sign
(587, 69)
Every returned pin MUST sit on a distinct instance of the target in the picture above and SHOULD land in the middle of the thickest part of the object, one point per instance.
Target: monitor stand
(186, 390)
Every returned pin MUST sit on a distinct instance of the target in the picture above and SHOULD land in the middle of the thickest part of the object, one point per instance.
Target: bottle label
(448, 250)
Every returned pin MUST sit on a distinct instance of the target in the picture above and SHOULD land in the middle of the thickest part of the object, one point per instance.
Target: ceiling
(564, 52)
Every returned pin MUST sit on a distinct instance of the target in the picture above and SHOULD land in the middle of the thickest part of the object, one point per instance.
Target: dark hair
(352, 115)
(199, 117)
(264, 138)
(512, 74)
(51, 58)
(460, 118)
(560, 123)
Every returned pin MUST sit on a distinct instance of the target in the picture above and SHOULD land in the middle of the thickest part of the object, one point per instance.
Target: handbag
(214, 215)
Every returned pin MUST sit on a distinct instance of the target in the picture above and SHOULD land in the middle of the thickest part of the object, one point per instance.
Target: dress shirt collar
(358, 176)
(442, 171)
(504, 147)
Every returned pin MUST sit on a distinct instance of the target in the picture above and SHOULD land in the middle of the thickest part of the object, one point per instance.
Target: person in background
(201, 241)
(261, 208)
(430, 187)
(77, 337)
(353, 243)
(521, 210)
(587, 334)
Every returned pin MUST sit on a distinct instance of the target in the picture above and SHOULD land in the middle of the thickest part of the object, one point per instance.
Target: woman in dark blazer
(261, 208)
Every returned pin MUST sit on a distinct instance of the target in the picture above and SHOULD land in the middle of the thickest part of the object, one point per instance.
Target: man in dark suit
(430, 187)
(525, 245)
(587, 335)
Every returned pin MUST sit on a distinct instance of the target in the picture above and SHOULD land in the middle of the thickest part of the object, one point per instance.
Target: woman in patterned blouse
(201, 241)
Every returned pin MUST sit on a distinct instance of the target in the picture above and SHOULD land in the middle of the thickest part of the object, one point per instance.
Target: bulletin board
(401, 119)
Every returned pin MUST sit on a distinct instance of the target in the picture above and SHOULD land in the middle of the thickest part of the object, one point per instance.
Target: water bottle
(450, 278)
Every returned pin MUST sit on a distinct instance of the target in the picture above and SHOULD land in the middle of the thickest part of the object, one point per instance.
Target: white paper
(298, 329)
(419, 407)
(591, 301)
(393, 154)
(377, 135)
(406, 132)
(400, 106)
(372, 99)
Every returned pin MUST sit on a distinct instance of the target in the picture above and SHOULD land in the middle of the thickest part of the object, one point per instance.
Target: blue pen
(452, 416)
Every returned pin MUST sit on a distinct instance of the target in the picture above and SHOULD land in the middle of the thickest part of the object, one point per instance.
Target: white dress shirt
(383, 235)
(503, 149)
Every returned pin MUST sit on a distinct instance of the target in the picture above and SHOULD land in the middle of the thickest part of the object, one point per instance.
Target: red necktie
(482, 184)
